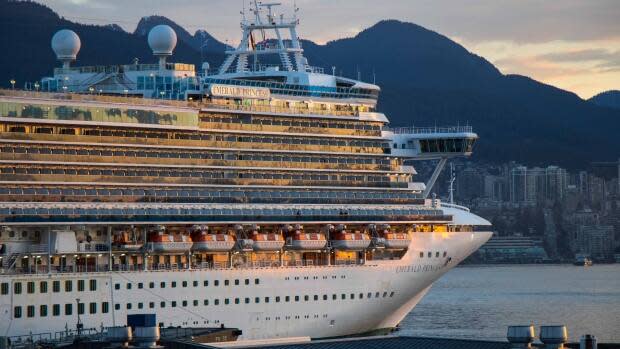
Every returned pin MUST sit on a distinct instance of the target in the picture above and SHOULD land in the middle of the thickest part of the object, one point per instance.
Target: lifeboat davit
(307, 241)
(396, 241)
(267, 241)
(343, 240)
(168, 243)
(212, 242)
(123, 241)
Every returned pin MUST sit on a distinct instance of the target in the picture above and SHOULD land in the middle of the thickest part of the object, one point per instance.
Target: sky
(571, 44)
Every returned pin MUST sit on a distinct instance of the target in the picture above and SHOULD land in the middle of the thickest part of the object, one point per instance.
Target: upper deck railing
(76, 97)
(425, 130)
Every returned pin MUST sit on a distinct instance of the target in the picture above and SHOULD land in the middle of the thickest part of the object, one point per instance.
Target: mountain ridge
(425, 77)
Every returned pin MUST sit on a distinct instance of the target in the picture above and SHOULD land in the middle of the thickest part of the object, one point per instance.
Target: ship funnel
(162, 40)
(66, 45)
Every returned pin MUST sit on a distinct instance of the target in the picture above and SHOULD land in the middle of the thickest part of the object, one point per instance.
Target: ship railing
(37, 248)
(276, 110)
(172, 103)
(428, 130)
(458, 207)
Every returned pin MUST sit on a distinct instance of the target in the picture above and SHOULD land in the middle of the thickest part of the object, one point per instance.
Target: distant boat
(582, 260)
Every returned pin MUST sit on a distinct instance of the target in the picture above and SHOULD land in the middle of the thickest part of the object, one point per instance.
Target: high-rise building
(595, 240)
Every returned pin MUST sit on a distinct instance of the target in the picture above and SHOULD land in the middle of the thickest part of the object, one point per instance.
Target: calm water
(481, 301)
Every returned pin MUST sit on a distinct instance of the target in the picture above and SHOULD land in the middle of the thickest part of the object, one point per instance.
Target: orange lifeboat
(343, 240)
(397, 241)
(162, 242)
(212, 242)
(307, 241)
(266, 241)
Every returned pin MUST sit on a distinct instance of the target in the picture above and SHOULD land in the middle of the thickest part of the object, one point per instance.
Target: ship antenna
(452, 178)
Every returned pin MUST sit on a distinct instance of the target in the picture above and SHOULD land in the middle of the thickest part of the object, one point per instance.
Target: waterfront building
(513, 249)
(598, 241)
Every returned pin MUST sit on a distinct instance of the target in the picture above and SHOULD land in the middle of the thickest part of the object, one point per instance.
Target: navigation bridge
(431, 143)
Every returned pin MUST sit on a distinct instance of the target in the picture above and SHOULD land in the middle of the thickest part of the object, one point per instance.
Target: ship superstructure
(265, 195)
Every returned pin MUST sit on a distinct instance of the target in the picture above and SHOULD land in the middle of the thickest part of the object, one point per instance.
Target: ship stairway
(242, 63)
(9, 263)
(286, 61)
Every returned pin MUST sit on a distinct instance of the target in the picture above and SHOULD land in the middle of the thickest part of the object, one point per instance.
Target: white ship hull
(394, 287)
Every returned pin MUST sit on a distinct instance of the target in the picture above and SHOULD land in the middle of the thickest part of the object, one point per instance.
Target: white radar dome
(66, 44)
(162, 40)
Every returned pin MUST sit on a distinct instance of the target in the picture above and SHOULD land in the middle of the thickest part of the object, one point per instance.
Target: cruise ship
(265, 195)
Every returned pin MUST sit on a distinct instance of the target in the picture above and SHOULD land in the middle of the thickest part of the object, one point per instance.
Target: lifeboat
(124, 241)
(212, 242)
(343, 240)
(169, 243)
(397, 241)
(307, 241)
(267, 241)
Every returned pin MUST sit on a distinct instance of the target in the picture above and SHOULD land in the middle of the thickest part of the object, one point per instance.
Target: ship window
(140, 285)
(184, 283)
(17, 288)
(162, 304)
(316, 297)
(184, 303)
(392, 294)
(68, 309)
(369, 295)
(128, 306)
(421, 254)
(17, 312)
(30, 311)
(437, 254)
(195, 302)
(162, 284)
(296, 298)
(80, 285)
(236, 282)
(256, 299)
(92, 308)
(56, 310)
(377, 295)
(56, 286)
(117, 286)
(430, 254)
(129, 286)
(287, 298)
(226, 301)
(384, 294)
(4, 288)
(43, 286)
(151, 305)
(343, 296)
(195, 283)
(140, 305)
(105, 307)
(151, 284)
(117, 306)
(216, 282)
(226, 282)
(352, 295)
(256, 281)
(266, 299)
(216, 302)
(205, 283)
(277, 299)
(30, 287)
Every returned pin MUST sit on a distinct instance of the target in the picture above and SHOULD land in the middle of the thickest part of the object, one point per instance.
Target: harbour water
(479, 302)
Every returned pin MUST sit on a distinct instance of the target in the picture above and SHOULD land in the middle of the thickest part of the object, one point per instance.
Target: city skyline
(572, 45)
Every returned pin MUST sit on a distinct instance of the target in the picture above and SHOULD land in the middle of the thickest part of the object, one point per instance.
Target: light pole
(126, 91)
(12, 81)
(36, 86)
(79, 322)
(91, 90)
(162, 93)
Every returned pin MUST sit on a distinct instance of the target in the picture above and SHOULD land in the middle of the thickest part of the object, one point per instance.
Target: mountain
(610, 99)
(201, 41)
(426, 79)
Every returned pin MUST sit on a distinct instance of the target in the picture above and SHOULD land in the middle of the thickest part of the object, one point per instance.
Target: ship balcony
(430, 143)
